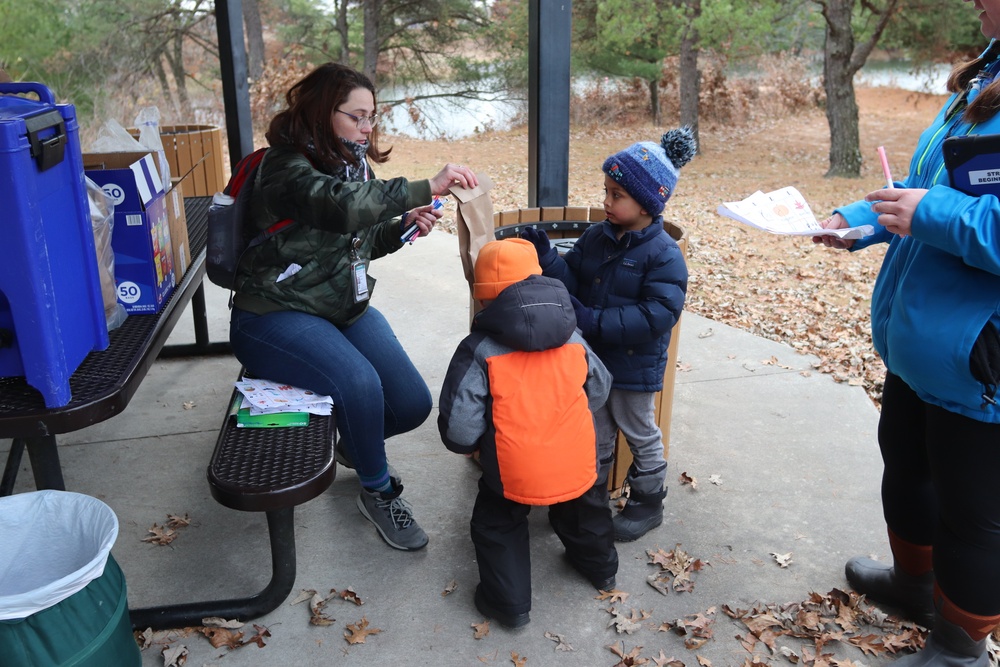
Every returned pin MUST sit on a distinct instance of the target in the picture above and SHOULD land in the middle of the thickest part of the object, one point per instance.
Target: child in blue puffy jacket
(628, 280)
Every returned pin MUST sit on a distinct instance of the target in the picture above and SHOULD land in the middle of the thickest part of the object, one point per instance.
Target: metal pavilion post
(235, 80)
(549, 32)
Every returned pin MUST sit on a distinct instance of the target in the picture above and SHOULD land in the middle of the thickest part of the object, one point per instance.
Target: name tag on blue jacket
(628, 263)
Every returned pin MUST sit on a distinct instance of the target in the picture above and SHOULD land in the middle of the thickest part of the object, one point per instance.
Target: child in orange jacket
(521, 390)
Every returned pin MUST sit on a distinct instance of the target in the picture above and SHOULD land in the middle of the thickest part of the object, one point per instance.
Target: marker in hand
(412, 230)
(885, 167)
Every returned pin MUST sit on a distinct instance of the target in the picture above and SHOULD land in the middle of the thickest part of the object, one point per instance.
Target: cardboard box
(144, 264)
(178, 230)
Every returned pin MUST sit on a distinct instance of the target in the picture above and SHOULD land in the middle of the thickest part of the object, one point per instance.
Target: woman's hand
(895, 207)
(453, 174)
(424, 216)
(835, 221)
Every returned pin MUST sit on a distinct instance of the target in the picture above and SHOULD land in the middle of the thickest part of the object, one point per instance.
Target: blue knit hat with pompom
(648, 172)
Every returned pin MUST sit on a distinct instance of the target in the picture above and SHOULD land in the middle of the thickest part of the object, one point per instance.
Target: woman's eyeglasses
(370, 121)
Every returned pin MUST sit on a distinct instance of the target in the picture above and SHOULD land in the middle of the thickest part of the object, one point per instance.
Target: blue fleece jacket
(940, 286)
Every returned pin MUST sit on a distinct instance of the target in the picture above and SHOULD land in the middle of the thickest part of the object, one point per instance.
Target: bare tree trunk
(255, 39)
(654, 101)
(177, 70)
(372, 14)
(838, 81)
(690, 84)
(842, 58)
(161, 74)
(345, 45)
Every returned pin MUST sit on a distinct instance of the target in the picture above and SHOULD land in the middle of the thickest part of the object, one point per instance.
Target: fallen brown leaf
(614, 595)
(688, 479)
(561, 643)
(450, 588)
(317, 605)
(160, 535)
(783, 560)
(627, 659)
(174, 656)
(626, 623)
(517, 660)
(258, 638)
(663, 661)
(220, 637)
(481, 630)
(358, 632)
(349, 595)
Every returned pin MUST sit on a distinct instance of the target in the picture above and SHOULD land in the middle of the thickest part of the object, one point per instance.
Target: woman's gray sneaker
(393, 517)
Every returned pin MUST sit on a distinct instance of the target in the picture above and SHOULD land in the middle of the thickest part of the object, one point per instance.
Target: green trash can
(63, 600)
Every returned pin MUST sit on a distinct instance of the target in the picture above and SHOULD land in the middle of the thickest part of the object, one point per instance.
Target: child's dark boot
(643, 510)
(642, 513)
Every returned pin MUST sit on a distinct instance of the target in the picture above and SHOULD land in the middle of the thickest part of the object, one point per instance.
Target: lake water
(448, 118)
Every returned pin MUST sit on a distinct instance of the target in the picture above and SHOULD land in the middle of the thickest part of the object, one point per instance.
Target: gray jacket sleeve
(462, 405)
(598, 384)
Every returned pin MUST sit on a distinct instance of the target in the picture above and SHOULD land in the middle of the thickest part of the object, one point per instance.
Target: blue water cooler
(51, 308)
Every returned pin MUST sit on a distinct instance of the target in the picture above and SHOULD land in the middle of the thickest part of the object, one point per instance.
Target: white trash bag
(52, 544)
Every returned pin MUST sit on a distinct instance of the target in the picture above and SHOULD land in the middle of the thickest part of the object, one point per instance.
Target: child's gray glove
(540, 240)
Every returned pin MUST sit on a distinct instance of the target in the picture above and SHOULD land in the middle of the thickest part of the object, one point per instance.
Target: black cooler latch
(47, 152)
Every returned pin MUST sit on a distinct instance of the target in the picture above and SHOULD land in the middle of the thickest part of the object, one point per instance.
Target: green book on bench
(273, 420)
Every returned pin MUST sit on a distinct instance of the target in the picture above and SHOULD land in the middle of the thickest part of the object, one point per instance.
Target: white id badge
(360, 281)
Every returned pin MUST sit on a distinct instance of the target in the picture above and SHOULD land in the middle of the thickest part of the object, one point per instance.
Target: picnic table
(107, 380)
(256, 470)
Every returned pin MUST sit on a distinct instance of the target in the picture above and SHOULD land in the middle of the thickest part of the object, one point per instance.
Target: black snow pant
(500, 535)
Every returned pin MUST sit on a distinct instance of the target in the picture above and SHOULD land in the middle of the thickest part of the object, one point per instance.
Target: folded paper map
(785, 211)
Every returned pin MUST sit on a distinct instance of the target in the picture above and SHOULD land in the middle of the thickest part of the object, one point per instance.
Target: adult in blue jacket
(935, 321)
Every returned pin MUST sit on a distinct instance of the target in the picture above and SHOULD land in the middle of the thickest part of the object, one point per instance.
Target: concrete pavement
(792, 454)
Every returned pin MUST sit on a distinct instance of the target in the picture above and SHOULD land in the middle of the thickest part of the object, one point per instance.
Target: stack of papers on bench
(264, 403)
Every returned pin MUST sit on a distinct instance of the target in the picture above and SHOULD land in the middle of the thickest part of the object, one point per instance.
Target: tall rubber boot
(957, 639)
(907, 585)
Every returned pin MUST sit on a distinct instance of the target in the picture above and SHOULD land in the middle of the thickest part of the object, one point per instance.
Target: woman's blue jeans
(377, 392)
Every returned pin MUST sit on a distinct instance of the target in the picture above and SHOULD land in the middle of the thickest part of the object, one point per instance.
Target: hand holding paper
(785, 212)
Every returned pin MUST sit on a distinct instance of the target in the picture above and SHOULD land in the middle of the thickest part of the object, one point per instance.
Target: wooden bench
(268, 470)
(563, 225)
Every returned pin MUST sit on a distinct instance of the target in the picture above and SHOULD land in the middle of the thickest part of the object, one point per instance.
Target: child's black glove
(540, 240)
(584, 315)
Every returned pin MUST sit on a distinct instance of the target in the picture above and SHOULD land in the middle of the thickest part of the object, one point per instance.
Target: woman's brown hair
(307, 122)
(987, 102)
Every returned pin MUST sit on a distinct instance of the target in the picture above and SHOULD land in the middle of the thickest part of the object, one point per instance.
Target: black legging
(941, 487)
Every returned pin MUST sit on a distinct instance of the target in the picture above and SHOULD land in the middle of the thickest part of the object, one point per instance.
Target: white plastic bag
(102, 219)
(52, 544)
(148, 122)
(113, 138)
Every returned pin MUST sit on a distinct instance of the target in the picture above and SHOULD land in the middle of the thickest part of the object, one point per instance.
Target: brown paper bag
(474, 221)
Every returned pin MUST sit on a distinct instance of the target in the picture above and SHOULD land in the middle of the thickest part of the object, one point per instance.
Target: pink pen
(885, 167)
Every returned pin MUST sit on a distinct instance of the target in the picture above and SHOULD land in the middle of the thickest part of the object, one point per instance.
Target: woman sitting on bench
(301, 311)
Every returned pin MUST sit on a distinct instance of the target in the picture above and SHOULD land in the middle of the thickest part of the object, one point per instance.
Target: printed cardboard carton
(144, 262)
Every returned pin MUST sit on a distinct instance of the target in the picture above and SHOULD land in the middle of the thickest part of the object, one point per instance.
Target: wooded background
(679, 57)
